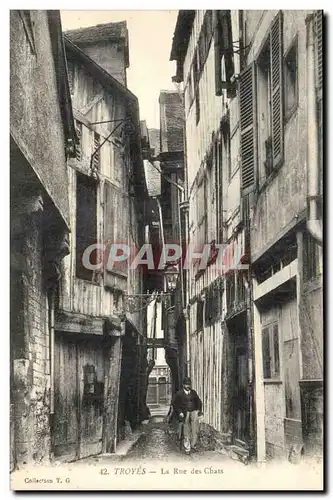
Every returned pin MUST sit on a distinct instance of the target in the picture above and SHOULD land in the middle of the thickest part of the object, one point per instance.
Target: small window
(290, 80)
(271, 352)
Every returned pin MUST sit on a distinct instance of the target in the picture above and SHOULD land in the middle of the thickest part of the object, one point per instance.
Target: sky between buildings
(150, 38)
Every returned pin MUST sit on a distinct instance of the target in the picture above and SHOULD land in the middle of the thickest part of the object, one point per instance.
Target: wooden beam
(112, 369)
(283, 276)
(297, 220)
(156, 343)
(67, 321)
(95, 100)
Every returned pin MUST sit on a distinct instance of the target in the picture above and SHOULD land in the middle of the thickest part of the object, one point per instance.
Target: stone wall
(30, 382)
(35, 116)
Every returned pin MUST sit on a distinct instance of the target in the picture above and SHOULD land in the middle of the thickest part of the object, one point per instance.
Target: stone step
(238, 452)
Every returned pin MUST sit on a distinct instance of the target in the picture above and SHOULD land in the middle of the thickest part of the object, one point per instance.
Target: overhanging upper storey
(181, 40)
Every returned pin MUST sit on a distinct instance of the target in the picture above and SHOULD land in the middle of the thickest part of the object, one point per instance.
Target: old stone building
(99, 359)
(42, 136)
(253, 89)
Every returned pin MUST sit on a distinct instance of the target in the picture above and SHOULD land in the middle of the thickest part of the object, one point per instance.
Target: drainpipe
(314, 223)
(50, 312)
(52, 345)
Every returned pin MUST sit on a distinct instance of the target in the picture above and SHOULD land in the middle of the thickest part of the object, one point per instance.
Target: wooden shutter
(276, 39)
(248, 146)
(266, 353)
(115, 231)
(319, 51)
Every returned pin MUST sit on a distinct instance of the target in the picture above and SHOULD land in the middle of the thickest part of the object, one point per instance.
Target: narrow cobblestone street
(158, 442)
(155, 461)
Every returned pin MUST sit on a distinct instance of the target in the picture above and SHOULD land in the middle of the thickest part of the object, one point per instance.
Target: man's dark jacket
(183, 403)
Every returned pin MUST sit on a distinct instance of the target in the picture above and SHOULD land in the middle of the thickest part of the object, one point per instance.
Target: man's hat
(187, 381)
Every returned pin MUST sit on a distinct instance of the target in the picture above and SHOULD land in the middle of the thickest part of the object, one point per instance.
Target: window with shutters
(276, 46)
(264, 113)
(290, 81)
(271, 352)
(312, 258)
(235, 291)
(86, 222)
(248, 147)
(270, 106)
(78, 148)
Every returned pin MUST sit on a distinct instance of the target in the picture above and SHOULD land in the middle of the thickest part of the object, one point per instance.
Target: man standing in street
(188, 407)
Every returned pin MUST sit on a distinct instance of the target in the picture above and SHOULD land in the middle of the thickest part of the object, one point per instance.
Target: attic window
(28, 28)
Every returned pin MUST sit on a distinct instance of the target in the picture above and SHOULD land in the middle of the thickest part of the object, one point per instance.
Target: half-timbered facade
(98, 341)
(253, 90)
(213, 186)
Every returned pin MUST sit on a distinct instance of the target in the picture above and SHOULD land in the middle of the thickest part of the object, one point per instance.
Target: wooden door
(66, 429)
(79, 387)
(240, 397)
(91, 370)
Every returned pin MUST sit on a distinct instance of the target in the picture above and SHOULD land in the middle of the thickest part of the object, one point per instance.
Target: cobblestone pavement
(158, 442)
